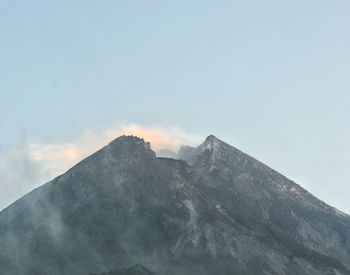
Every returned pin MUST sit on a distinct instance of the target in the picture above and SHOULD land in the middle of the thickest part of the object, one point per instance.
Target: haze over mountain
(215, 210)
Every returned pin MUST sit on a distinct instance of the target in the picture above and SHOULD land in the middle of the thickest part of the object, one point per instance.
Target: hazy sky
(270, 77)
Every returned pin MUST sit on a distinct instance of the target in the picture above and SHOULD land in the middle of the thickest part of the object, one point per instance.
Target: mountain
(214, 211)
(133, 270)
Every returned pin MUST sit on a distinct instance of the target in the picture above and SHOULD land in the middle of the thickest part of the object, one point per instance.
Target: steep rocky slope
(216, 211)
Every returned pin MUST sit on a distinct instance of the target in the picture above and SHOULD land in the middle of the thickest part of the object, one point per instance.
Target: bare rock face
(214, 211)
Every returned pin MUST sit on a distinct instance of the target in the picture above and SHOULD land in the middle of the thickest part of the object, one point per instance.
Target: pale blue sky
(270, 77)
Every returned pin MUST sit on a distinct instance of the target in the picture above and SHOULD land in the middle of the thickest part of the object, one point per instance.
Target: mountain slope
(215, 211)
(133, 270)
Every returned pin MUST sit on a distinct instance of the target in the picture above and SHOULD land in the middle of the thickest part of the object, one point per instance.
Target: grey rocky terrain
(215, 210)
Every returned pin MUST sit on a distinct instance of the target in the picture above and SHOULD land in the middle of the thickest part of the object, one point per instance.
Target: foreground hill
(215, 211)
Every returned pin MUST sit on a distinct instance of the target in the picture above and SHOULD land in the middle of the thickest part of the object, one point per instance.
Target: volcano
(213, 210)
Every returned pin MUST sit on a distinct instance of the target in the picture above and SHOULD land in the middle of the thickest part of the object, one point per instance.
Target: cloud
(160, 138)
(27, 166)
(55, 158)
(18, 172)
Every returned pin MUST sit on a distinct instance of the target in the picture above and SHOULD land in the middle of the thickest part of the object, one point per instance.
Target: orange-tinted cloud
(57, 157)
(160, 138)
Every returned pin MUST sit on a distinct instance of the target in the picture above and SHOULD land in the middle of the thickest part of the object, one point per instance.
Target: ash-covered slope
(133, 270)
(217, 211)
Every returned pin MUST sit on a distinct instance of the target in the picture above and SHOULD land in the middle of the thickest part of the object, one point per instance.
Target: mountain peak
(129, 139)
(211, 138)
(212, 143)
(130, 146)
